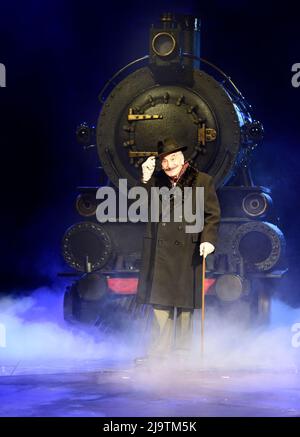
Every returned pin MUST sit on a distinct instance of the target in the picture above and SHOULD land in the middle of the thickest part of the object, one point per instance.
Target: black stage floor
(111, 389)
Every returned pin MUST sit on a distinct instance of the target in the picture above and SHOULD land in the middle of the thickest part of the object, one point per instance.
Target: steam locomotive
(174, 92)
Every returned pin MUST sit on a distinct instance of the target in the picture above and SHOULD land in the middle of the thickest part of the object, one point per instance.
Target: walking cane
(203, 306)
(174, 328)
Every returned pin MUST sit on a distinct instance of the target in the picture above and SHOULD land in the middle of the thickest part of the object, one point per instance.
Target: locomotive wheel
(261, 304)
(68, 306)
(263, 307)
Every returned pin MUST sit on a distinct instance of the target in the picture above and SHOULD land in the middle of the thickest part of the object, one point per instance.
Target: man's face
(172, 163)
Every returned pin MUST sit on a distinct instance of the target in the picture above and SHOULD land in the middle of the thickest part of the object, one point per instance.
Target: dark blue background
(58, 55)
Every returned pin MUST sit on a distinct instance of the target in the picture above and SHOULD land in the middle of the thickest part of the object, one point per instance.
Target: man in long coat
(171, 268)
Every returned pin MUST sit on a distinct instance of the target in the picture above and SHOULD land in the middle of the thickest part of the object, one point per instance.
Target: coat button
(180, 227)
(176, 242)
(163, 224)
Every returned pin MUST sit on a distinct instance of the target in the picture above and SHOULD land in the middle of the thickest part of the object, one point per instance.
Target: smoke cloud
(33, 329)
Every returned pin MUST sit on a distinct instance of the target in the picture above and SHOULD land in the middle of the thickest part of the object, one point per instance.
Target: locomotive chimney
(173, 44)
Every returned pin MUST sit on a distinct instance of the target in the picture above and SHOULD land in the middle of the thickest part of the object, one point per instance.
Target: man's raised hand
(148, 168)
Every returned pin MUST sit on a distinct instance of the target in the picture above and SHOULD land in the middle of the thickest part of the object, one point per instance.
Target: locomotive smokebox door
(139, 112)
(171, 97)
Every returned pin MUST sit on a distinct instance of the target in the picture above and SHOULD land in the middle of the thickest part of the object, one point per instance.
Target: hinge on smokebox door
(205, 134)
(139, 117)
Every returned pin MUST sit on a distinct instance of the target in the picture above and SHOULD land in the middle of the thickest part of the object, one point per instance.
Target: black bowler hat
(168, 145)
